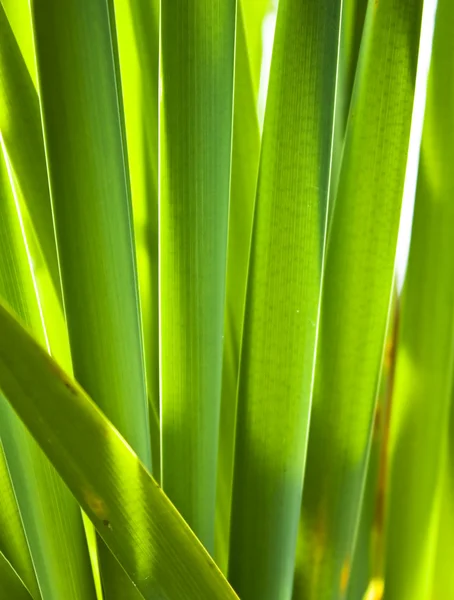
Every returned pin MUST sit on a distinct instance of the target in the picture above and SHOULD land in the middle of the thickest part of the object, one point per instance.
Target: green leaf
(20, 120)
(13, 543)
(245, 163)
(282, 305)
(353, 15)
(135, 519)
(425, 362)
(138, 39)
(91, 206)
(367, 563)
(443, 575)
(253, 15)
(11, 585)
(196, 127)
(18, 15)
(357, 288)
(57, 545)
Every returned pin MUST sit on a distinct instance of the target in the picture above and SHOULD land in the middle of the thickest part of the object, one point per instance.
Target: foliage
(211, 386)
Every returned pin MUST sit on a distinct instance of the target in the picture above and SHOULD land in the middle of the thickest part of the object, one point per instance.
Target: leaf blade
(137, 522)
(282, 301)
(357, 287)
(197, 65)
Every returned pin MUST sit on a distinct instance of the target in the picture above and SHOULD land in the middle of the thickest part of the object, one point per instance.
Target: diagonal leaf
(136, 520)
(195, 136)
(82, 108)
(57, 545)
(282, 304)
(356, 295)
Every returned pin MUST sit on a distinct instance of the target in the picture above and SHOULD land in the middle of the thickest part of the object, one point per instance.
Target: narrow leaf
(13, 543)
(11, 585)
(57, 545)
(282, 304)
(20, 120)
(425, 362)
(91, 205)
(243, 184)
(137, 24)
(196, 127)
(356, 296)
(141, 527)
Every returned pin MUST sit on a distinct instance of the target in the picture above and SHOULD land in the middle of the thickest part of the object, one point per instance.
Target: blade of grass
(20, 120)
(353, 15)
(90, 200)
(443, 577)
(138, 39)
(57, 545)
(197, 43)
(367, 564)
(13, 543)
(139, 524)
(356, 295)
(81, 101)
(426, 346)
(282, 304)
(245, 162)
(11, 585)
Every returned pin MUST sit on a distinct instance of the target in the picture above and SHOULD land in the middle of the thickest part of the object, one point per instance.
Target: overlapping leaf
(141, 527)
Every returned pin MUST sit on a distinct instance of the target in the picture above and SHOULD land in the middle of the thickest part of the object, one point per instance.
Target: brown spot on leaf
(69, 386)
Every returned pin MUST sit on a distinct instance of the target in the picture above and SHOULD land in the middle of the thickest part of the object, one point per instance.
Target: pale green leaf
(425, 361)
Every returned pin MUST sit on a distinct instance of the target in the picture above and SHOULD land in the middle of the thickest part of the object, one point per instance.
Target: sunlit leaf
(135, 519)
(356, 294)
(282, 305)
(196, 127)
(425, 361)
